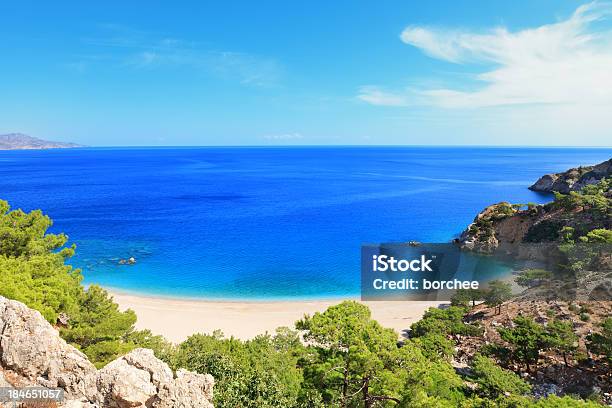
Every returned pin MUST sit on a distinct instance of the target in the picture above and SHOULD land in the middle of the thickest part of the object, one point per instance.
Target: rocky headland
(573, 179)
(513, 228)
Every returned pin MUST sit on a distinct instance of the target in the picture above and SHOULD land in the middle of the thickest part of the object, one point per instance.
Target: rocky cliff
(33, 354)
(573, 179)
(512, 228)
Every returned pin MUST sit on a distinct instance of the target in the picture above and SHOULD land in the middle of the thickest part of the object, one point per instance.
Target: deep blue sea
(263, 222)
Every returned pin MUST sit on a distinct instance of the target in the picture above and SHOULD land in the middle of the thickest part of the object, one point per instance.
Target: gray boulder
(33, 354)
(32, 349)
(140, 379)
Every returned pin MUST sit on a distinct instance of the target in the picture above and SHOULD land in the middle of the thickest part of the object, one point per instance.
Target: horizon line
(327, 145)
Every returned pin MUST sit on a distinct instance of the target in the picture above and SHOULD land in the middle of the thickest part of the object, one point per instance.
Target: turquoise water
(260, 223)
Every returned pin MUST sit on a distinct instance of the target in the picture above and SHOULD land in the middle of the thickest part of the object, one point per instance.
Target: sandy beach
(176, 319)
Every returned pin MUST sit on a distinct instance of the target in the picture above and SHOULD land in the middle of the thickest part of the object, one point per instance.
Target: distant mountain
(19, 141)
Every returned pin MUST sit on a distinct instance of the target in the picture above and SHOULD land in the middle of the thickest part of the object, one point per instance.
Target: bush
(428, 383)
(601, 343)
(498, 293)
(464, 297)
(494, 381)
(563, 402)
(527, 338)
(255, 373)
(435, 345)
(444, 322)
(532, 277)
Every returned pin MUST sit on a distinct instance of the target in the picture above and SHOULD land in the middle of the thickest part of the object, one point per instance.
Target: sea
(259, 223)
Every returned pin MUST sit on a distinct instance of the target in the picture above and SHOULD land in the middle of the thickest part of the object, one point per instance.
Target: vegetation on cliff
(582, 216)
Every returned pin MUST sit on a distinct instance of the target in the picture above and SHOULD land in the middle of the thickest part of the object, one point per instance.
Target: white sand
(176, 319)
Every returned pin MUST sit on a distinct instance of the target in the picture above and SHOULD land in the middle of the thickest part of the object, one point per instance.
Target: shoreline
(207, 299)
(177, 318)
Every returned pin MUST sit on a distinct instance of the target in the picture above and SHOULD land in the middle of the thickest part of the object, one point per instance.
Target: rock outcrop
(495, 226)
(33, 354)
(573, 179)
(504, 229)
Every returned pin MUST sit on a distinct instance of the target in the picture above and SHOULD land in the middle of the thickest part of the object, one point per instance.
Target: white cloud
(564, 63)
(375, 96)
(284, 136)
(431, 42)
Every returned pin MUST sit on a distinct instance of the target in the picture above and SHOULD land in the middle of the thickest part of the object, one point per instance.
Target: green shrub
(255, 373)
(601, 342)
(494, 381)
(445, 322)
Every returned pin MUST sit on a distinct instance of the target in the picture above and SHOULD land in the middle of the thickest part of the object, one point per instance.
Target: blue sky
(317, 72)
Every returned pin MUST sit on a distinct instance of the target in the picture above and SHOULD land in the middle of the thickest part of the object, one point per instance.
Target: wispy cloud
(284, 136)
(565, 63)
(376, 96)
(138, 49)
